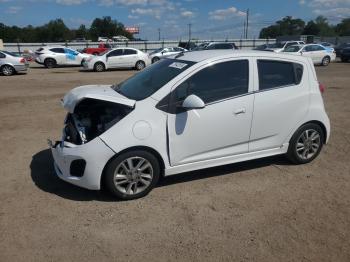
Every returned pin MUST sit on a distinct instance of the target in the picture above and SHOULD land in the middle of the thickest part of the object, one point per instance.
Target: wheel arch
(319, 123)
(144, 148)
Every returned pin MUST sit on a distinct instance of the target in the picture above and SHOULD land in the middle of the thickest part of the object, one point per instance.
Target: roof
(198, 56)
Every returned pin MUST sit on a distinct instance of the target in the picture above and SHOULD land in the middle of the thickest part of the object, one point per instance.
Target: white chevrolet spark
(196, 110)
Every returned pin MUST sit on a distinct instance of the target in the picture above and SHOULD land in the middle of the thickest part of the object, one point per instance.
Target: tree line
(296, 26)
(57, 31)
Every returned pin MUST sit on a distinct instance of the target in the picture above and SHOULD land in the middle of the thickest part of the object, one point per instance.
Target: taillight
(322, 87)
(22, 60)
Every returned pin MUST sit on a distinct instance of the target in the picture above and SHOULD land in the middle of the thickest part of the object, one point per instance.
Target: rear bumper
(95, 154)
(21, 68)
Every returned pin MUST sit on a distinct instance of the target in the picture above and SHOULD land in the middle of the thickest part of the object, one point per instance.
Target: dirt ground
(264, 210)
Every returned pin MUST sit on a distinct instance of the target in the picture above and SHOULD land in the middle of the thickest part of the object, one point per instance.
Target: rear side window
(57, 50)
(129, 52)
(216, 82)
(273, 74)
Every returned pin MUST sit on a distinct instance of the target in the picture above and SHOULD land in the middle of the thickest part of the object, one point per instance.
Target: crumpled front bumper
(96, 155)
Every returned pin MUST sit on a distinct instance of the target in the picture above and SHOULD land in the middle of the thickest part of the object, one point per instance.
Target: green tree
(325, 29)
(343, 28)
(287, 26)
(311, 28)
(107, 27)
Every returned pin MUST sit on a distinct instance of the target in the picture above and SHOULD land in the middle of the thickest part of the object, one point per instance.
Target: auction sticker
(178, 65)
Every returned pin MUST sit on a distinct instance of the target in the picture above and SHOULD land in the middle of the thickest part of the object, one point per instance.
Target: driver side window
(117, 52)
(217, 82)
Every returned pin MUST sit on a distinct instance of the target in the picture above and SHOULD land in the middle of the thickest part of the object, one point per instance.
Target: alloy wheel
(133, 176)
(7, 70)
(308, 144)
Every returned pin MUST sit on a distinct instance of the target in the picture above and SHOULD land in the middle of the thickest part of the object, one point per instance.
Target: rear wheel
(7, 70)
(99, 67)
(50, 63)
(140, 65)
(326, 60)
(132, 175)
(306, 144)
(155, 59)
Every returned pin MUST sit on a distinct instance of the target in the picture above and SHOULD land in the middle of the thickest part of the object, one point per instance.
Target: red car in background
(102, 47)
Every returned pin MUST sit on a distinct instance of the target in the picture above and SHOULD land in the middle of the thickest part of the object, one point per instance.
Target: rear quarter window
(275, 74)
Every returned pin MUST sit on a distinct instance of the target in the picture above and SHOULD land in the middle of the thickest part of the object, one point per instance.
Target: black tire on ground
(297, 147)
(99, 67)
(116, 165)
(344, 60)
(7, 70)
(326, 60)
(50, 63)
(155, 59)
(140, 65)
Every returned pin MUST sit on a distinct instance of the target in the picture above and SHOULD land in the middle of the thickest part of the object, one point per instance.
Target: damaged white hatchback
(193, 111)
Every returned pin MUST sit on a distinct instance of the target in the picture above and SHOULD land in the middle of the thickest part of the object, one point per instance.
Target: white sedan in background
(52, 56)
(319, 54)
(118, 58)
(156, 55)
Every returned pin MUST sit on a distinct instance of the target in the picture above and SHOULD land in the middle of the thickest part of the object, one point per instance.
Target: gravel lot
(264, 210)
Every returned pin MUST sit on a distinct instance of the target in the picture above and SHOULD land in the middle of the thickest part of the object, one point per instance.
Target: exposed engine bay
(91, 118)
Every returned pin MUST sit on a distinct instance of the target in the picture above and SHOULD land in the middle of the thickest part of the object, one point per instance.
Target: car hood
(99, 92)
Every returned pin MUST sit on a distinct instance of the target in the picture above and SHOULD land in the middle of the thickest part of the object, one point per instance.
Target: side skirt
(226, 160)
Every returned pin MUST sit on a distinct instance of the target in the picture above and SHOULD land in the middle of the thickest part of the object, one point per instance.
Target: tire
(50, 63)
(99, 67)
(155, 59)
(326, 60)
(8, 70)
(140, 65)
(133, 182)
(306, 144)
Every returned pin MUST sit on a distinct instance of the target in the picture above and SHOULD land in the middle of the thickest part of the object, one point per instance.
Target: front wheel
(325, 61)
(132, 175)
(140, 65)
(155, 59)
(8, 70)
(306, 144)
(99, 67)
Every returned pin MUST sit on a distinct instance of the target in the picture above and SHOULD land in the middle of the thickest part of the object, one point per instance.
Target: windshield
(156, 51)
(292, 49)
(10, 53)
(152, 78)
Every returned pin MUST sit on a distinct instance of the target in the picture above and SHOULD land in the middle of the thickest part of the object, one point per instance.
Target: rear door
(59, 55)
(130, 57)
(281, 102)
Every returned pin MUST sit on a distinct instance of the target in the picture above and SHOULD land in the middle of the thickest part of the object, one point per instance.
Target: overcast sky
(209, 18)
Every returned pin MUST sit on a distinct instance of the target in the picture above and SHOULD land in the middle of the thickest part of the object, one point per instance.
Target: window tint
(217, 82)
(129, 52)
(319, 48)
(117, 52)
(274, 74)
(57, 50)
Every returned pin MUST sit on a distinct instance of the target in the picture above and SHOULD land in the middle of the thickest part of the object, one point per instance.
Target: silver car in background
(11, 63)
(157, 54)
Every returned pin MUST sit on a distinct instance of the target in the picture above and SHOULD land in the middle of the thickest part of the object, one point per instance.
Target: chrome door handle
(240, 111)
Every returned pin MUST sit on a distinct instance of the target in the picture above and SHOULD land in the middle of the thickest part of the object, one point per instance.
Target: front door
(220, 129)
(114, 59)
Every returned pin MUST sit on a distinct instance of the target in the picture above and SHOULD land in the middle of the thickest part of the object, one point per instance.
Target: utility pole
(243, 35)
(158, 34)
(247, 24)
(189, 32)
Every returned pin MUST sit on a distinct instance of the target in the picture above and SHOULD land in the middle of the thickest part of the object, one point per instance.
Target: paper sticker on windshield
(178, 65)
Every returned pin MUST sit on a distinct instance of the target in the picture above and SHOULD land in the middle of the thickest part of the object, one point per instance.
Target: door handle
(240, 111)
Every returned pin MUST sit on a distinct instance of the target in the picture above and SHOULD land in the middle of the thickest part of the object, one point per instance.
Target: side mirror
(193, 102)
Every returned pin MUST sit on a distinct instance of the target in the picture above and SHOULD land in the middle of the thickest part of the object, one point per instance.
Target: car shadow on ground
(44, 177)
